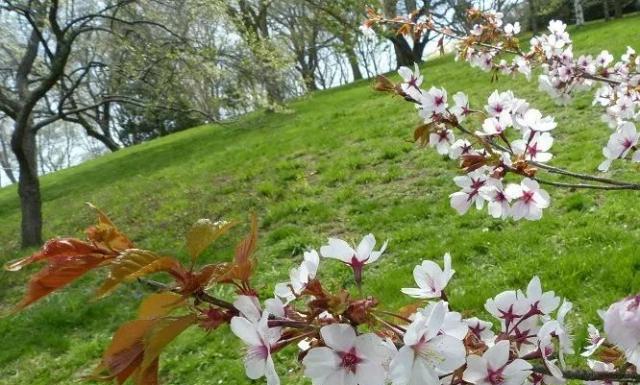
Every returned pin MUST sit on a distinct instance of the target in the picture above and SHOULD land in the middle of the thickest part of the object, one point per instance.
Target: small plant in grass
(344, 336)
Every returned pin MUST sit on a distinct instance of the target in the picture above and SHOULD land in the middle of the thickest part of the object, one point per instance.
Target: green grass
(339, 164)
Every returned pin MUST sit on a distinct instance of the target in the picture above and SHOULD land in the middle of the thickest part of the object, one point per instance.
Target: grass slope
(339, 164)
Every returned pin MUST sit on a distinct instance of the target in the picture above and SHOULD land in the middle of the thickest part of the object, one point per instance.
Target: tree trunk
(577, 7)
(404, 53)
(23, 144)
(617, 9)
(353, 62)
(605, 10)
(533, 17)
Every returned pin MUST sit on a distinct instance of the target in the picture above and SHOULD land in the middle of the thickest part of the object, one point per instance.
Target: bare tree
(35, 67)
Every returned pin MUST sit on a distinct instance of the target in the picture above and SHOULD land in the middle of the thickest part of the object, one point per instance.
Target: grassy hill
(338, 164)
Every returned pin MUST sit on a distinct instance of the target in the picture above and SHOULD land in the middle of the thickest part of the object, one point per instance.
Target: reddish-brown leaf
(165, 331)
(159, 305)
(125, 353)
(203, 233)
(105, 233)
(68, 259)
(57, 250)
(132, 264)
(248, 245)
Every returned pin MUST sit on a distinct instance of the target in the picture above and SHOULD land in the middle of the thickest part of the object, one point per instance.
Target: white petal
(246, 331)
(340, 337)
(338, 249)
(320, 362)
(497, 355)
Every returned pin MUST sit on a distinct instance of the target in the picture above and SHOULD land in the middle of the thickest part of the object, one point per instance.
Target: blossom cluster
(358, 343)
(618, 91)
(504, 115)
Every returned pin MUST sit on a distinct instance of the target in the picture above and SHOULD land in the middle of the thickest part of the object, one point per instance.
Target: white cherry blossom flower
(499, 102)
(512, 29)
(364, 254)
(411, 81)
(494, 368)
(471, 184)
(260, 340)
(594, 340)
(507, 307)
(346, 359)
(461, 106)
(533, 120)
(496, 125)
(529, 199)
(461, 147)
(427, 353)
(622, 326)
(299, 277)
(534, 146)
(442, 140)
(430, 278)
(498, 203)
(433, 102)
(481, 329)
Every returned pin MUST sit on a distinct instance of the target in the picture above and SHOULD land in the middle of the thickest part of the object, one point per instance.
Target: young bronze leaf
(57, 249)
(132, 264)
(67, 260)
(105, 233)
(57, 275)
(159, 305)
(203, 233)
(248, 245)
(165, 331)
(124, 356)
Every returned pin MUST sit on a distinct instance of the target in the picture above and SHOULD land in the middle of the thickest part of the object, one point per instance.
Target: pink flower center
(527, 197)
(350, 360)
(438, 100)
(495, 376)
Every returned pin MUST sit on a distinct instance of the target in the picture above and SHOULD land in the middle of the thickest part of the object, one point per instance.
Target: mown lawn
(340, 163)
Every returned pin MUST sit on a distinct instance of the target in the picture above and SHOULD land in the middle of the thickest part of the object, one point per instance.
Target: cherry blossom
(529, 198)
(433, 102)
(347, 358)
(461, 106)
(461, 147)
(362, 255)
(481, 329)
(412, 81)
(622, 326)
(471, 184)
(620, 144)
(499, 102)
(496, 125)
(442, 140)
(540, 303)
(534, 146)
(594, 341)
(431, 279)
(507, 307)
(260, 340)
(426, 353)
(533, 120)
(494, 368)
(299, 277)
(498, 203)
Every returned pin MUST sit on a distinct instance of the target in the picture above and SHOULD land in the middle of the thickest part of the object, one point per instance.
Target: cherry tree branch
(589, 375)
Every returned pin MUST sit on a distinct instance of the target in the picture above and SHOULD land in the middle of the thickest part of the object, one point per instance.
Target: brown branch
(589, 375)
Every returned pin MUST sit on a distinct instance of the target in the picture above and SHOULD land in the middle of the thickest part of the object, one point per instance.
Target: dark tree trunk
(23, 144)
(353, 62)
(617, 9)
(605, 9)
(533, 17)
(405, 55)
